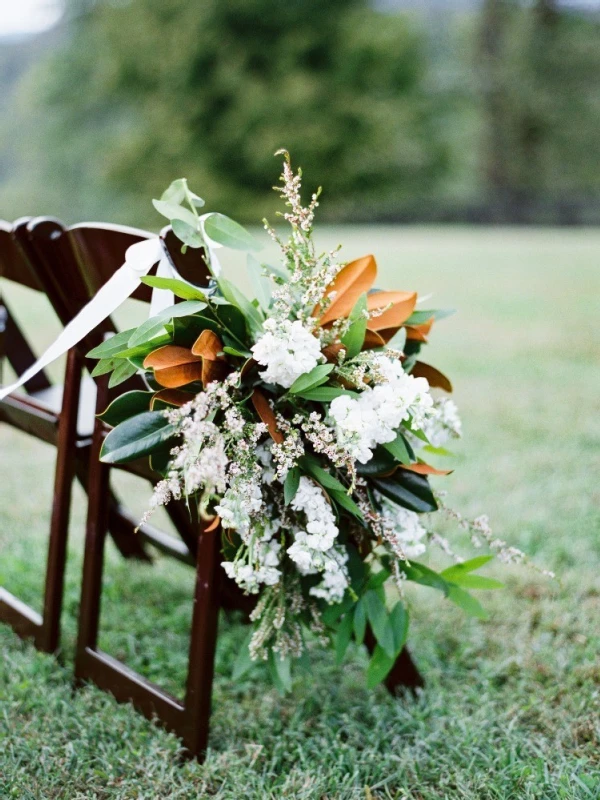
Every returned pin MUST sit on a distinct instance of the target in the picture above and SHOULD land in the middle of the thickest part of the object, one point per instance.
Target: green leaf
(137, 436)
(312, 379)
(290, 485)
(377, 615)
(419, 573)
(231, 351)
(173, 211)
(377, 579)
(326, 479)
(354, 337)
(346, 502)
(331, 613)
(398, 340)
(325, 394)
(438, 451)
(379, 667)
(360, 621)
(243, 663)
(398, 448)
(187, 234)
(121, 373)
(408, 489)
(231, 293)
(125, 406)
(381, 463)
(153, 326)
(225, 231)
(105, 365)
(467, 566)
(420, 317)
(475, 582)
(142, 350)
(398, 622)
(343, 636)
(176, 191)
(112, 345)
(467, 602)
(260, 284)
(179, 288)
(281, 672)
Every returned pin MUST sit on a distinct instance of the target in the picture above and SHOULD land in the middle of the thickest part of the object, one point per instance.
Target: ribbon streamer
(139, 260)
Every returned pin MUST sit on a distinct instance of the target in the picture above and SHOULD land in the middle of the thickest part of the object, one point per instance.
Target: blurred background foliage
(460, 111)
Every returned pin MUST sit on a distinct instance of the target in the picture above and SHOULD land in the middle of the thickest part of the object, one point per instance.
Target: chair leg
(48, 638)
(203, 643)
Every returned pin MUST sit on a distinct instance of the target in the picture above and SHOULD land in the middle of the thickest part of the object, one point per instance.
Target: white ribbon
(139, 260)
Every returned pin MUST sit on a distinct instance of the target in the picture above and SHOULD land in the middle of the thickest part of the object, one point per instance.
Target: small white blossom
(288, 350)
(402, 529)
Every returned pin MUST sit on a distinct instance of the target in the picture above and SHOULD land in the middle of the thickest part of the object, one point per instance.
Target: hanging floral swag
(300, 423)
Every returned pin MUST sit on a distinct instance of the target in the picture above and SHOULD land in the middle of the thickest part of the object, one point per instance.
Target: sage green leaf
(343, 636)
(421, 317)
(125, 406)
(225, 231)
(179, 288)
(187, 234)
(260, 283)
(467, 602)
(105, 365)
(121, 373)
(142, 350)
(176, 191)
(231, 293)
(112, 345)
(153, 326)
(173, 211)
(137, 436)
(467, 566)
(379, 667)
(290, 485)
(312, 379)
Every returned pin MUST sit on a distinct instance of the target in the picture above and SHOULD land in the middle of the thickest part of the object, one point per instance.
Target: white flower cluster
(242, 500)
(263, 570)
(444, 424)
(403, 529)
(288, 350)
(313, 549)
(361, 424)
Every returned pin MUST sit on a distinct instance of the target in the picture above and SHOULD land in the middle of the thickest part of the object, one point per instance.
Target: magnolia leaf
(265, 412)
(408, 489)
(179, 288)
(354, 279)
(121, 373)
(312, 379)
(135, 437)
(154, 325)
(396, 342)
(372, 340)
(434, 377)
(418, 333)
(418, 317)
(170, 397)
(125, 406)
(225, 231)
(425, 469)
(171, 355)
(208, 345)
(112, 346)
(401, 306)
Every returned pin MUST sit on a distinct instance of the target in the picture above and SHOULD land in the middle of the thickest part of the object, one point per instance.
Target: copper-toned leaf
(208, 345)
(250, 364)
(425, 469)
(402, 306)
(355, 279)
(372, 340)
(419, 332)
(387, 333)
(332, 351)
(181, 375)
(174, 397)
(213, 371)
(171, 355)
(435, 378)
(212, 525)
(265, 412)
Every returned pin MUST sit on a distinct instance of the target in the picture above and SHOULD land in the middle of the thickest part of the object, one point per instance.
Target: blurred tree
(145, 91)
(539, 66)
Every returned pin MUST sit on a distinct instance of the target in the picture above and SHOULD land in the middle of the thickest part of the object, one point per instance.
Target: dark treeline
(488, 115)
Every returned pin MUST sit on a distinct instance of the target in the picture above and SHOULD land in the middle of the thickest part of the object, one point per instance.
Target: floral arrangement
(300, 424)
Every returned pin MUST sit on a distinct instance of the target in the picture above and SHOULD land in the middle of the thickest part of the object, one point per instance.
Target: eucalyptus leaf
(225, 231)
(312, 379)
(187, 234)
(173, 211)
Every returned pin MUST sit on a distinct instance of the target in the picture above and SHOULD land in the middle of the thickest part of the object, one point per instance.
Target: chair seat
(38, 412)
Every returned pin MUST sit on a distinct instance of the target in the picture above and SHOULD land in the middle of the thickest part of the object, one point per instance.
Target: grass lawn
(512, 705)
